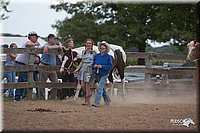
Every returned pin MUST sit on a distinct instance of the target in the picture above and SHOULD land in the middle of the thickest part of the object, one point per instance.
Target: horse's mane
(198, 46)
(197, 50)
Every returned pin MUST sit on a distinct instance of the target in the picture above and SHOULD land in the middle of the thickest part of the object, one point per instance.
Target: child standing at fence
(10, 76)
(67, 68)
(85, 69)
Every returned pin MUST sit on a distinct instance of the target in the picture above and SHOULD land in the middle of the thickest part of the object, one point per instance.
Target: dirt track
(139, 112)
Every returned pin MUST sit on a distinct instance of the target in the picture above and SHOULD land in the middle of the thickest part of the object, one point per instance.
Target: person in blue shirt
(102, 64)
(48, 59)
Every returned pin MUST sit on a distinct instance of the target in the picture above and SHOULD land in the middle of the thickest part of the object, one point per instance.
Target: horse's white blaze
(64, 61)
(191, 46)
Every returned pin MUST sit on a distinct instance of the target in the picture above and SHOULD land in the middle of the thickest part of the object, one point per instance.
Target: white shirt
(24, 58)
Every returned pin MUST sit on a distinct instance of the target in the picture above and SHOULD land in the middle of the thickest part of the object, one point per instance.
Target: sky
(31, 16)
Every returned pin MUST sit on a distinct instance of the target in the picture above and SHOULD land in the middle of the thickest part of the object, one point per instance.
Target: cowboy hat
(105, 44)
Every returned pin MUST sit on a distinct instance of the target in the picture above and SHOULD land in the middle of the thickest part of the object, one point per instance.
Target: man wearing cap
(48, 59)
(24, 59)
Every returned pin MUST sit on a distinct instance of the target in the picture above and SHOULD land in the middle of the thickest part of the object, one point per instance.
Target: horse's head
(193, 50)
(69, 60)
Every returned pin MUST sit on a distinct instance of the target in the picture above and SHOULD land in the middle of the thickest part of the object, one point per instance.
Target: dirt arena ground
(151, 111)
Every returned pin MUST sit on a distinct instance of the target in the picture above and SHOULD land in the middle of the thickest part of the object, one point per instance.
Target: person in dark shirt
(67, 67)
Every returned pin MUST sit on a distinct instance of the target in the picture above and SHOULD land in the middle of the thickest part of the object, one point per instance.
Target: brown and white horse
(194, 55)
(119, 59)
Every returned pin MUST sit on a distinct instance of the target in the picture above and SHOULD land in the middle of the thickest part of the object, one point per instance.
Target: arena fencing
(148, 70)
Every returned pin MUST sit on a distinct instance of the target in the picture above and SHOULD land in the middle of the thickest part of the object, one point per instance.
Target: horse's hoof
(75, 99)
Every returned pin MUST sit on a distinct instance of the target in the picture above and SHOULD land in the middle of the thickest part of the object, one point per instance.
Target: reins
(67, 69)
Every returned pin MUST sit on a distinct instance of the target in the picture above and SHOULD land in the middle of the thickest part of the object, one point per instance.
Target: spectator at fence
(24, 59)
(67, 68)
(10, 76)
(101, 66)
(85, 69)
(48, 59)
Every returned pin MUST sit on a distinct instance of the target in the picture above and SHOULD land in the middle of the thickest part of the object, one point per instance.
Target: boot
(87, 99)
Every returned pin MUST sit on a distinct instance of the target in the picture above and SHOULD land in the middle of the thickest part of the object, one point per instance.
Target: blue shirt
(49, 59)
(105, 61)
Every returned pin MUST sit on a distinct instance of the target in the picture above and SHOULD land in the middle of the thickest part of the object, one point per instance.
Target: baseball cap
(51, 36)
(33, 33)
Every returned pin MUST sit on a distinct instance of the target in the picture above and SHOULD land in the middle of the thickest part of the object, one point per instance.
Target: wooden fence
(148, 70)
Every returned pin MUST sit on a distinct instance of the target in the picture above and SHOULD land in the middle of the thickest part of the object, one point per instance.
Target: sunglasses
(55, 38)
(102, 48)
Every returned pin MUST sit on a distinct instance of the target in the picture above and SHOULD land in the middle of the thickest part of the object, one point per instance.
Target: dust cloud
(159, 94)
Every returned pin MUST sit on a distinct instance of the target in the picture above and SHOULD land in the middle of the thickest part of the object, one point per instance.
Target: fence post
(30, 75)
(148, 65)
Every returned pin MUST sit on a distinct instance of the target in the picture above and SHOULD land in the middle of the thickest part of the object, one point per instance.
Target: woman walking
(85, 69)
(101, 66)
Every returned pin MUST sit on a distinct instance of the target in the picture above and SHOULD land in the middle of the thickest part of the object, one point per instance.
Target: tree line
(129, 25)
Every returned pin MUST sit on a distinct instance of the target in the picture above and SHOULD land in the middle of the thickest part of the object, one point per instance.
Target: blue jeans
(101, 90)
(21, 92)
(10, 76)
(36, 78)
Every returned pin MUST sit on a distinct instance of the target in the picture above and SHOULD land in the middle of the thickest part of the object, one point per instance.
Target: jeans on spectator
(36, 78)
(21, 92)
(101, 90)
(44, 75)
(10, 76)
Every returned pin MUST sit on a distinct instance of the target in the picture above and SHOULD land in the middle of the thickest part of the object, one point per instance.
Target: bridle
(71, 63)
(189, 55)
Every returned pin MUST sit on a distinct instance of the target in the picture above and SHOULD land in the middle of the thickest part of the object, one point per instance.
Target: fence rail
(148, 69)
(159, 56)
(178, 70)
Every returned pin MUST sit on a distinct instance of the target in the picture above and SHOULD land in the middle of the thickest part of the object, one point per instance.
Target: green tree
(3, 9)
(79, 27)
(132, 24)
(198, 24)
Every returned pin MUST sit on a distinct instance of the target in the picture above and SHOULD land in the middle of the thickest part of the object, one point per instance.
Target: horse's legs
(123, 88)
(110, 78)
(78, 88)
(120, 67)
